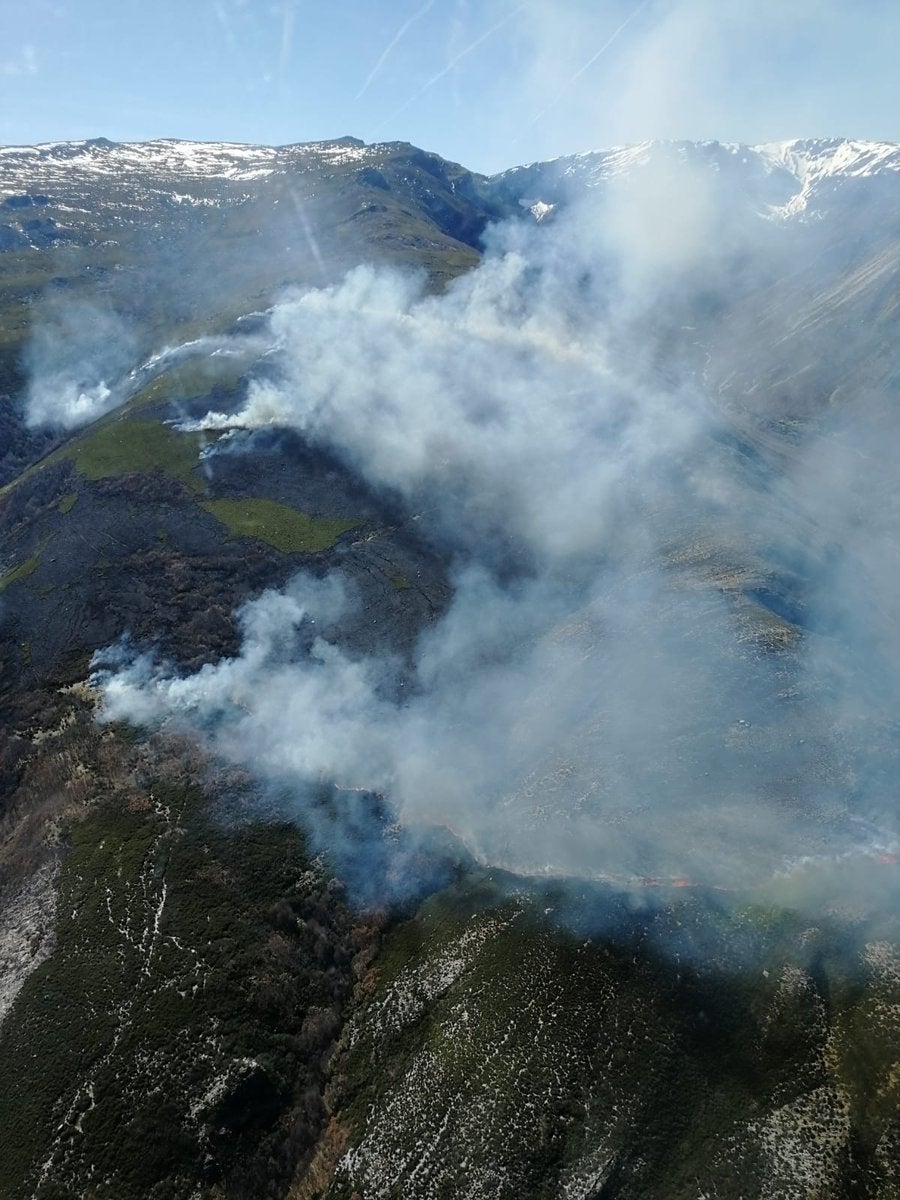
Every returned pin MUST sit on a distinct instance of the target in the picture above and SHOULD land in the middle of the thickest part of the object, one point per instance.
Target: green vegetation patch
(67, 503)
(287, 529)
(193, 377)
(26, 568)
(137, 446)
(22, 571)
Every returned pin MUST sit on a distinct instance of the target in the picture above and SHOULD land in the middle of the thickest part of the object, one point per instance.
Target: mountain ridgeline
(447, 663)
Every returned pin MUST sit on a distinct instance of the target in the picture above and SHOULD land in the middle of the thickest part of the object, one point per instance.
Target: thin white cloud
(391, 46)
(573, 79)
(288, 21)
(454, 62)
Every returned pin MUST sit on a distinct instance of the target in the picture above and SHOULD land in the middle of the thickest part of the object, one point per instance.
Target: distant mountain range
(799, 176)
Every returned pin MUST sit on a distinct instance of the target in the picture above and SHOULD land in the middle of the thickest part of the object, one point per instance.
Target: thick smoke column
(607, 695)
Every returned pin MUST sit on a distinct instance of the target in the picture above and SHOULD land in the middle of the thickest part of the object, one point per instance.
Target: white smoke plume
(605, 697)
(80, 362)
(76, 354)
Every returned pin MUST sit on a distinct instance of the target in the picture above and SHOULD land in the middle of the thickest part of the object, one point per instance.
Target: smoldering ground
(81, 363)
(612, 693)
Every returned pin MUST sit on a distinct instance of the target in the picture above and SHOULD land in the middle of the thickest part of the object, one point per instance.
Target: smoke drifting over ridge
(612, 692)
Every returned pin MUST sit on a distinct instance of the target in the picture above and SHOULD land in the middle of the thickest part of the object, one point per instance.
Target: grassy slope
(23, 571)
(122, 444)
(137, 446)
(102, 448)
(280, 525)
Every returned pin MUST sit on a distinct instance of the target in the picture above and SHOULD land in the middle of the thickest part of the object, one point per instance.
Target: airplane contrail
(587, 66)
(457, 58)
(420, 12)
(288, 15)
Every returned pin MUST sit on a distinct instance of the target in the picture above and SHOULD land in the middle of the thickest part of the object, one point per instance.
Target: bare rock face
(27, 929)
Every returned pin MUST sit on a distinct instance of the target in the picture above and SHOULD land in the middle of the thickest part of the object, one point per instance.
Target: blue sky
(489, 83)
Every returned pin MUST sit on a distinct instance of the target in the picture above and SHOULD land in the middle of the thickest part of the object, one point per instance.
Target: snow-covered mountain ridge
(785, 179)
(804, 158)
(790, 176)
(52, 162)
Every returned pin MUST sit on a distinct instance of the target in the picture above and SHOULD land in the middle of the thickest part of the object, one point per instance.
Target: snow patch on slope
(818, 166)
(52, 163)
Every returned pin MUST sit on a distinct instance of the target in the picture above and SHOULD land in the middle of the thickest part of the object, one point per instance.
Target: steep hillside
(153, 243)
(384, 724)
